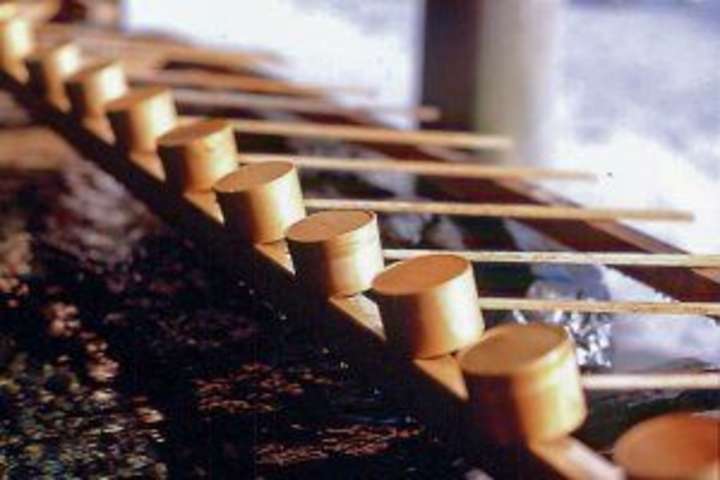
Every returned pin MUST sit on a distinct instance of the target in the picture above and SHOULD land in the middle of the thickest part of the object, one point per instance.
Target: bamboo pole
(373, 134)
(144, 57)
(102, 40)
(596, 306)
(420, 167)
(566, 455)
(537, 212)
(236, 81)
(294, 104)
(651, 381)
(571, 258)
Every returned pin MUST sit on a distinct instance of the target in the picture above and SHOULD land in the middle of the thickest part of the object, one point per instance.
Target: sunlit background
(637, 91)
(636, 100)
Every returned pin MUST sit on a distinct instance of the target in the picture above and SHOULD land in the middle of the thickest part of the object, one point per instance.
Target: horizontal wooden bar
(421, 167)
(373, 134)
(667, 260)
(652, 381)
(187, 97)
(499, 210)
(235, 81)
(590, 306)
(106, 42)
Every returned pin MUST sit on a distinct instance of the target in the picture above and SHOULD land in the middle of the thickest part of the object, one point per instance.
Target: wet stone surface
(60, 419)
(122, 357)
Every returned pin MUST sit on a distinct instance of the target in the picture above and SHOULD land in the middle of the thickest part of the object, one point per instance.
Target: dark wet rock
(102, 370)
(149, 415)
(54, 429)
(7, 350)
(59, 383)
(159, 325)
(62, 321)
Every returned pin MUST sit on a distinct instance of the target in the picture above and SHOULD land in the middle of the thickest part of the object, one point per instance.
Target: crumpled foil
(592, 332)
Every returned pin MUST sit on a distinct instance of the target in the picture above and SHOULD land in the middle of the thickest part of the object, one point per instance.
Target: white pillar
(518, 74)
(491, 65)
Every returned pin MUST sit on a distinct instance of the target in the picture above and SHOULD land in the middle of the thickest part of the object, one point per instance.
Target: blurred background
(627, 88)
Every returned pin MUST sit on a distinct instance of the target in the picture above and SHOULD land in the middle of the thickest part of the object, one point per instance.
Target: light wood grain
(365, 134)
(427, 305)
(652, 381)
(105, 41)
(523, 383)
(235, 81)
(336, 253)
(223, 99)
(571, 258)
(597, 306)
(419, 167)
(492, 210)
(260, 202)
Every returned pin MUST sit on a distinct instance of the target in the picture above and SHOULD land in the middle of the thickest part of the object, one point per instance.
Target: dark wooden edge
(350, 326)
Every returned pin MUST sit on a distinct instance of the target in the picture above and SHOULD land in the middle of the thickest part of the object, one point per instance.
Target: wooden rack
(433, 388)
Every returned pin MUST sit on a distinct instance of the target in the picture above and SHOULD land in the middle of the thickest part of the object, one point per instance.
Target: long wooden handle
(570, 258)
(104, 41)
(541, 212)
(597, 306)
(235, 81)
(202, 98)
(374, 134)
(419, 167)
(652, 381)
